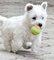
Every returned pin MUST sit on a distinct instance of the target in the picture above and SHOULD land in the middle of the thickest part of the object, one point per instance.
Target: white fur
(16, 30)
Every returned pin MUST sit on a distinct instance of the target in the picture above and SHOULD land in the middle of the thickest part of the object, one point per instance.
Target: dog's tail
(2, 19)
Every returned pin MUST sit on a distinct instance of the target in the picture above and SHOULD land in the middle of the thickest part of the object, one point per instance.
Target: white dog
(16, 30)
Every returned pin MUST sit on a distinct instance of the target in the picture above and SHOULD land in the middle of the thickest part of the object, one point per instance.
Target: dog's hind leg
(16, 44)
(7, 37)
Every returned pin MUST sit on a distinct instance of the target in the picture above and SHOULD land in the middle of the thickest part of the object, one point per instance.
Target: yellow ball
(35, 30)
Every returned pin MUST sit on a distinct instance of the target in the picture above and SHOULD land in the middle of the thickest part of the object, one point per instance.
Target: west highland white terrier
(16, 30)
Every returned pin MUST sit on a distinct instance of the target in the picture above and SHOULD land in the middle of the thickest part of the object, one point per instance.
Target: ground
(10, 8)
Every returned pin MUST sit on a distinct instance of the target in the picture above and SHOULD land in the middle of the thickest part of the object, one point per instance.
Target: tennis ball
(35, 30)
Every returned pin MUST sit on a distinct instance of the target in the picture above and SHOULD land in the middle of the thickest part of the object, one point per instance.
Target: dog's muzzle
(40, 25)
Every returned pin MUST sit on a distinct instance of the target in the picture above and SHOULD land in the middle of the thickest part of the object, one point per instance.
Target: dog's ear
(44, 5)
(28, 7)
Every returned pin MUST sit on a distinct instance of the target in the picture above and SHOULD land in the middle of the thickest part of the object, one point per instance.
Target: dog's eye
(34, 18)
(42, 18)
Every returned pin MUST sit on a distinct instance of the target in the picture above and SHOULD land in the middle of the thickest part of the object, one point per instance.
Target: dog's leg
(7, 44)
(36, 44)
(16, 45)
(7, 40)
(27, 45)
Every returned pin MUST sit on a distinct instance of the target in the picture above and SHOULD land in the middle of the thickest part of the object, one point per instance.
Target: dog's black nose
(40, 25)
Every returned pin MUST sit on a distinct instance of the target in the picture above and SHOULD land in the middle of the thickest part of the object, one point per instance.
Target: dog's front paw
(27, 45)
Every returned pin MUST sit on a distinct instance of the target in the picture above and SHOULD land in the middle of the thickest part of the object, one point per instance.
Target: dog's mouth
(39, 25)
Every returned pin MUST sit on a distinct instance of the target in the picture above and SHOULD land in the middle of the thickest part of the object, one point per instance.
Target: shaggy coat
(17, 30)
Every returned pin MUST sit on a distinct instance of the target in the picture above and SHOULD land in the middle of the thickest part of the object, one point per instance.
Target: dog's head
(37, 14)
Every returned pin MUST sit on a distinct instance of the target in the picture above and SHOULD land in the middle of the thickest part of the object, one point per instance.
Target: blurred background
(10, 8)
